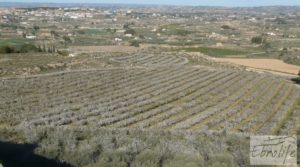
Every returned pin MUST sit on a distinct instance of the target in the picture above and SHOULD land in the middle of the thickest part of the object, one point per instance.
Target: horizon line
(149, 4)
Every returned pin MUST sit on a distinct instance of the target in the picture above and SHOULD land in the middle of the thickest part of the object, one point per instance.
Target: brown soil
(264, 64)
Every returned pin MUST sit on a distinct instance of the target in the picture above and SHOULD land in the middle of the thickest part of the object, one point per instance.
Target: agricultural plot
(172, 97)
(151, 60)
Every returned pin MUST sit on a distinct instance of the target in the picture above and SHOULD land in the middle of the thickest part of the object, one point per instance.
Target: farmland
(142, 100)
(273, 64)
(166, 95)
(145, 86)
(215, 52)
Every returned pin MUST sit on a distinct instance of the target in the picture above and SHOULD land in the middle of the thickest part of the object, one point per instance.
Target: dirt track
(264, 64)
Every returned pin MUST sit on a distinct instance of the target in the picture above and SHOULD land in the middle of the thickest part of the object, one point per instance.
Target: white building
(30, 37)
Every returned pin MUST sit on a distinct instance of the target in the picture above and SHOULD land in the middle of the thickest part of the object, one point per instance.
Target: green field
(17, 46)
(216, 52)
(14, 42)
(94, 31)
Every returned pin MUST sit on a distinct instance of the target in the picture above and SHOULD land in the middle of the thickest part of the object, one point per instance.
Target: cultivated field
(265, 64)
(168, 96)
(151, 60)
(107, 49)
(108, 85)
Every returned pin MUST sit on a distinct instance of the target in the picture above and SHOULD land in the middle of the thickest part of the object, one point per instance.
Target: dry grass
(265, 64)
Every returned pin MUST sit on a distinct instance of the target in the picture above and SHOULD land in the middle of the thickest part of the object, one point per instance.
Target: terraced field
(167, 96)
(151, 60)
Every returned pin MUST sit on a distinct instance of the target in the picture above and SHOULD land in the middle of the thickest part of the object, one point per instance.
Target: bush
(67, 39)
(291, 58)
(299, 75)
(82, 155)
(7, 49)
(186, 161)
(266, 45)
(81, 32)
(36, 28)
(225, 27)
(113, 159)
(257, 40)
(130, 31)
(135, 43)
(221, 160)
(28, 48)
(147, 158)
(24, 48)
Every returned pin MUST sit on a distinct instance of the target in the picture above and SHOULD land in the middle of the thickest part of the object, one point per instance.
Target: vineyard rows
(165, 97)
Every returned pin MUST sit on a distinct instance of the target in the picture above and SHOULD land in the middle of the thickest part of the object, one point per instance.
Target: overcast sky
(178, 2)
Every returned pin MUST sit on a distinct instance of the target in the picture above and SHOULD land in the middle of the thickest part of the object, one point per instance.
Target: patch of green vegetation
(15, 42)
(297, 81)
(174, 29)
(217, 52)
(130, 31)
(257, 40)
(13, 26)
(17, 46)
(84, 41)
(135, 43)
(136, 148)
(94, 32)
(290, 58)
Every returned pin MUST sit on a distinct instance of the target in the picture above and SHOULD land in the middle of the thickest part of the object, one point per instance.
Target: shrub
(130, 31)
(24, 48)
(113, 159)
(36, 28)
(7, 49)
(147, 158)
(67, 39)
(266, 45)
(291, 58)
(298, 81)
(135, 43)
(221, 160)
(225, 27)
(257, 40)
(185, 160)
(28, 48)
(82, 155)
(80, 32)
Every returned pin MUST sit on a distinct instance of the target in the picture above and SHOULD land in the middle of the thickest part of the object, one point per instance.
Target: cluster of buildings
(60, 23)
